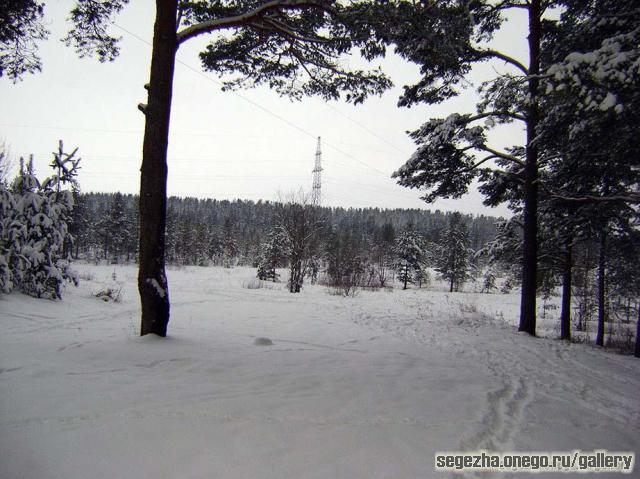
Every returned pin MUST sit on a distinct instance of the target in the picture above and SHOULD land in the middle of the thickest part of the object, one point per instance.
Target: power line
(201, 177)
(257, 105)
(62, 128)
(367, 129)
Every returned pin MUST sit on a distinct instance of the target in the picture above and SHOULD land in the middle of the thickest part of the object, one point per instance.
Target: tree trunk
(565, 315)
(530, 187)
(152, 281)
(602, 257)
(637, 351)
(451, 284)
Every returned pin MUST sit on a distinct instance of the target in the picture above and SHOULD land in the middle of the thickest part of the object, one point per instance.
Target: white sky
(223, 145)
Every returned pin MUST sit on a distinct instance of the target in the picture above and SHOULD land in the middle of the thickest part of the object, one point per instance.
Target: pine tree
(271, 254)
(7, 238)
(35, 229)
(78, 223)
(229, 244)
(489, 280)
(117, 226)
(447, 39)
(410, 255)
(595, 88)
(453, 257)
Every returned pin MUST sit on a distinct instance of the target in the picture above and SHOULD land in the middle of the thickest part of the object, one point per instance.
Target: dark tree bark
(530, 188)
(152, 281)
(297, 275)
(565, 315)
(637, 351)
(602, 259)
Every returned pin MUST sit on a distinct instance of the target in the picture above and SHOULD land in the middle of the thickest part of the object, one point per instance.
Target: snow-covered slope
(364, 387)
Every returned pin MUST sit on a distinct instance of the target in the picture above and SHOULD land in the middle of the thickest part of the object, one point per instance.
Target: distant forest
(209, 231)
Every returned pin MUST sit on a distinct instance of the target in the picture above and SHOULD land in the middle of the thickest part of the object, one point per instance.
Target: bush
(112, 293)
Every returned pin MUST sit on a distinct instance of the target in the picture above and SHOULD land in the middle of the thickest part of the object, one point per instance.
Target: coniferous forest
(209, 231)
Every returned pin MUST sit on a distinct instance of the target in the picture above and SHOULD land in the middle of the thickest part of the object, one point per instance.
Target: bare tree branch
(506, 58)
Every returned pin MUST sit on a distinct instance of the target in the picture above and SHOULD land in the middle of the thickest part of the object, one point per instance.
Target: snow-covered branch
(245, 18)
(631, 198)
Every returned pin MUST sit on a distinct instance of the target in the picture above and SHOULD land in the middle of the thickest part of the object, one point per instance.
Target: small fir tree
(489, 281)
(270, 256)
(409, 249)
(453, 259)
(34, 229)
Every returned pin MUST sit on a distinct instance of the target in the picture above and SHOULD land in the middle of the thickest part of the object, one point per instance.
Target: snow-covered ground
(363, 387)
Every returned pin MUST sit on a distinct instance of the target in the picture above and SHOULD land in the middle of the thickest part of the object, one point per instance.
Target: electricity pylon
(317, 182)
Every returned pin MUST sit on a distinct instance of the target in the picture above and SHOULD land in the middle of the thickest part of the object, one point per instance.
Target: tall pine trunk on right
(530, 187)
(447, 39)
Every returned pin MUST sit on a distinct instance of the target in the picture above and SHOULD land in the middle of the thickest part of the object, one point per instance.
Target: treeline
(590, 259)
(222, 232)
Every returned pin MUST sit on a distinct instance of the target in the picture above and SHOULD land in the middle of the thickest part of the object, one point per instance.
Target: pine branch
(503, 155)
(631, 198)
(245, 18)
(287, 32)
(488, 114)
(489, 53)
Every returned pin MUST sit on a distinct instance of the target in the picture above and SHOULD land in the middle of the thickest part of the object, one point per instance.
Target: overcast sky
(251, 144)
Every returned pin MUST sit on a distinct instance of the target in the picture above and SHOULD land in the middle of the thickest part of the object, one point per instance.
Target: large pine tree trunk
(565, 315)
(602, 258)
(152, 281)
(530, 188)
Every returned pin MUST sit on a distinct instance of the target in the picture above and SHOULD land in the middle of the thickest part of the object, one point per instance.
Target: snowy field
(363, 387)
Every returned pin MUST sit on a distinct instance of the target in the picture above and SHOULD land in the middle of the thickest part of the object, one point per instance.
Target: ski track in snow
(501, 421)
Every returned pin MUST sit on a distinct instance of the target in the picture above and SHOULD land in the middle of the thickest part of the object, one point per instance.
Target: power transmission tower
(317, 183)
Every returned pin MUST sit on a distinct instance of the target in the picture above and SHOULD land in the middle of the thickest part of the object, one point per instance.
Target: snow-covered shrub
(110, 293)
(270, 256)
(489, 281)
(86, 276)
(259, 284)
(34, 229)
(252, 284)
